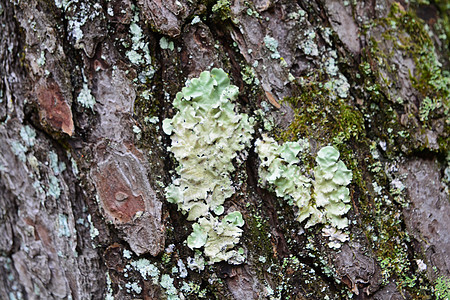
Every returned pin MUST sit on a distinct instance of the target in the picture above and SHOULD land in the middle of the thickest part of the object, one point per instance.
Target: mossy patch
(324, 119)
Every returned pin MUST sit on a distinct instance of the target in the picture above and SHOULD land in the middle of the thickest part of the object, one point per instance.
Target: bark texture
(84, 162)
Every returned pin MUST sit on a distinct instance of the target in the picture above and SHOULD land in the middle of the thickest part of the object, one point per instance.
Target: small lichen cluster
(85, 97)
(207, 135)
(281, 170)
(272, 45)
(218, 237)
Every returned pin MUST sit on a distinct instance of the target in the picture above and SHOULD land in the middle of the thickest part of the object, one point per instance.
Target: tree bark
(84, 161)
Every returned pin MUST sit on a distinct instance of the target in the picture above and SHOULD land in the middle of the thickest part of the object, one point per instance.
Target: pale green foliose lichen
(280, 168)
(207, 134)
(197, 262)
(167, 284)
(85, 97)
(146, 268)
(272, 45)
(308, 45)
(28, 135)
(133, 286)
(127, 254)
(218, 237)
(336, 236)
(166, 44)
(331, 193)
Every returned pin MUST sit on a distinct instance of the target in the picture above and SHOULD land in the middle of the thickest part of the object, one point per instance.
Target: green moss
(430, 80)
(403, 32)
(325, 119)
(222, 9)
(442, 288)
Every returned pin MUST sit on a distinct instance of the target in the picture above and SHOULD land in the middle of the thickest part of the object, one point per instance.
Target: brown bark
(82, 183)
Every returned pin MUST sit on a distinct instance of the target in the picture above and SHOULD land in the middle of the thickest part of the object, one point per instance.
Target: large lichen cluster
(207, 134)
(280, 169)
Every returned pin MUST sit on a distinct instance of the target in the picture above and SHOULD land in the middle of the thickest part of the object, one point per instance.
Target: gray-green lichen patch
(147, 269)
(166, 44)
(206, 135)
(218, 237)
(85, 97)
(196, 263)
(57, 166)
(86, 24)
(280, 168)
(28, 135)
(167, 284)
(139, 54)
(331, 193)
(272, 45)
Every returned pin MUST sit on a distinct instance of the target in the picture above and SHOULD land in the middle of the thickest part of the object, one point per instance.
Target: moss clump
(316, 114)
(222, 9)
(407, 120)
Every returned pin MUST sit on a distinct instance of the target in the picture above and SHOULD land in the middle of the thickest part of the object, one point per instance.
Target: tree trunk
(90, 151)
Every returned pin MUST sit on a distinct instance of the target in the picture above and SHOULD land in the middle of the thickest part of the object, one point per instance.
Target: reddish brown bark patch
(41, 232)
(116, 196)
(53, 109)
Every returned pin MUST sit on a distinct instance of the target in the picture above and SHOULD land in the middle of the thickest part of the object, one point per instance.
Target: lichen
(146, 268)
(167, 284)
(207, 134)
(109, 291)
(336, 236)
(308, 45)
(63, 225)
(182, 268)
(28, 135)
(331, 193)
(19, 150)
(165, 44)
(139, 54)
(85, 97)
(196, 263)
(272, 45)
(57, 166)
(280, 169)
(53, 187)
(218, 237)
(133, 286)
